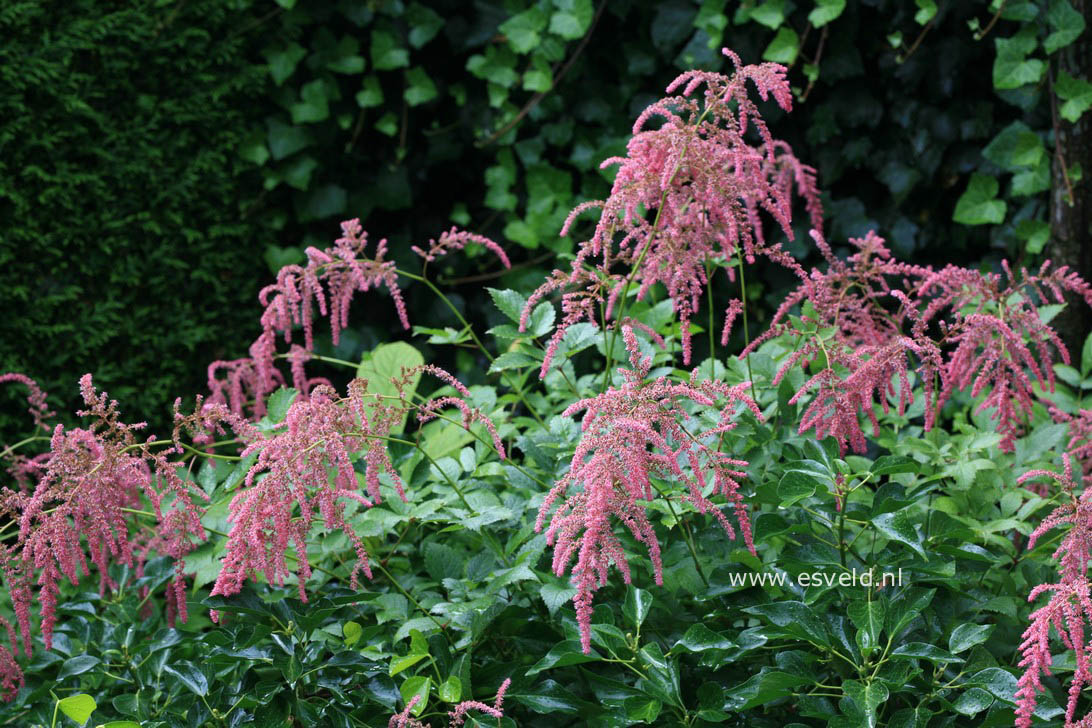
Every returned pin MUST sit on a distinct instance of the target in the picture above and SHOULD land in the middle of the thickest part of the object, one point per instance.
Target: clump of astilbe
(999, 336)
(1080, 435)
(457, 716)
(21, 467)
(76, 516)
(702, 183)
(290, 487)
(1069, 608)
(859, 340)
(631, 434)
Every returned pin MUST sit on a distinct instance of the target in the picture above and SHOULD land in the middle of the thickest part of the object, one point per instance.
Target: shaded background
(158, 163)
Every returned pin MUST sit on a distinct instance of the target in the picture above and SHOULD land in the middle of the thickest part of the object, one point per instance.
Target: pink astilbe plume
(1069, 608)
(76, 515)
(998, 335)
(36, 398)
(304, 474)
(456, 717)
(687, 193)
(632, 434)
(455, 239)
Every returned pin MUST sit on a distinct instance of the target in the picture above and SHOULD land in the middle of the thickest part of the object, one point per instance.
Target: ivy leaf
(979, 204)
(783, 48)
(1066, 25)
(1015, 147)
(1012, 68)
(424, 24)
(927, 10)
(770, 13)
(371, 95)
(313, 106)
(1076, 93)
(826, 11)
(419, 87)
(522, 30)
(1035, 234)
(284, 61)
(572, 18)
(386, 53)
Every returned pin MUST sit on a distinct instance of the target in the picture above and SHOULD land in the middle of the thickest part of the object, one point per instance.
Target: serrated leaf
(555, 596)
(387, 362)
(508, 302)
(513, 360)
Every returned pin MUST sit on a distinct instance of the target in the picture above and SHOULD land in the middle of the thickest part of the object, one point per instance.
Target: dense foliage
(839, 523)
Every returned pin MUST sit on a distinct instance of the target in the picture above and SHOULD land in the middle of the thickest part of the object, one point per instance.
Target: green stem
(470, 330)
(415, 603)
(746, 328)
(712, 343)
(12, 448)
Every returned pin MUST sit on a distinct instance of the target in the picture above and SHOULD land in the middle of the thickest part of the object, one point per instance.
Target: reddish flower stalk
(1069, 607)
(454, 239)
(632, 434)
(687, 193)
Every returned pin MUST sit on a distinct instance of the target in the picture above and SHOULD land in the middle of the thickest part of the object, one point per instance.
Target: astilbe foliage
(632, 434)
(702, 183)
(1070, 606)
(78, 515)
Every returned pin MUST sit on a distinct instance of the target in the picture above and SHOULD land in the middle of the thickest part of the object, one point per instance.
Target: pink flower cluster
(305, 472)
(874, 320)
(457, 716)
(79, 513)
(1070, 606)
(687, 193)
(631, 435)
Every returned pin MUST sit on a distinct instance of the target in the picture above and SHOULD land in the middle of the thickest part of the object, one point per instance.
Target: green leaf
(371, 95)
(451, 690)
(1086, 357)
(966, 636)
(1035, 234)
(1066, 25)
(897, 526)
(1076, 93)
(906, 607)
(891, 464)
(404, 662)
(923, 651)
(253, 148)
(279, 402)
(78, 707)
(284, 61)
(572, 18)
(868, 697)
(783, 48)
(796, 485)
(555, 596)
(636, 605)
(562, 654)
(120, 724)
(513, 360)
(419, 87)
(1011, 67)
(297, 173)
(927, 10)
(508, 302)
(387, 54)
(77, 666)
(972, 701)
(314, 105)
(1015, 147)
(770, 13)
(424, 24)
(385, 363)
(522, 30)
(442, 562)
(826, 11)
(769, 684)
(796, 619)
(998, 682)
(416, 685)
(352, 632)
(285, 140)
(699, 638)
(979, 204)
(868, 617)
(189, 675)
